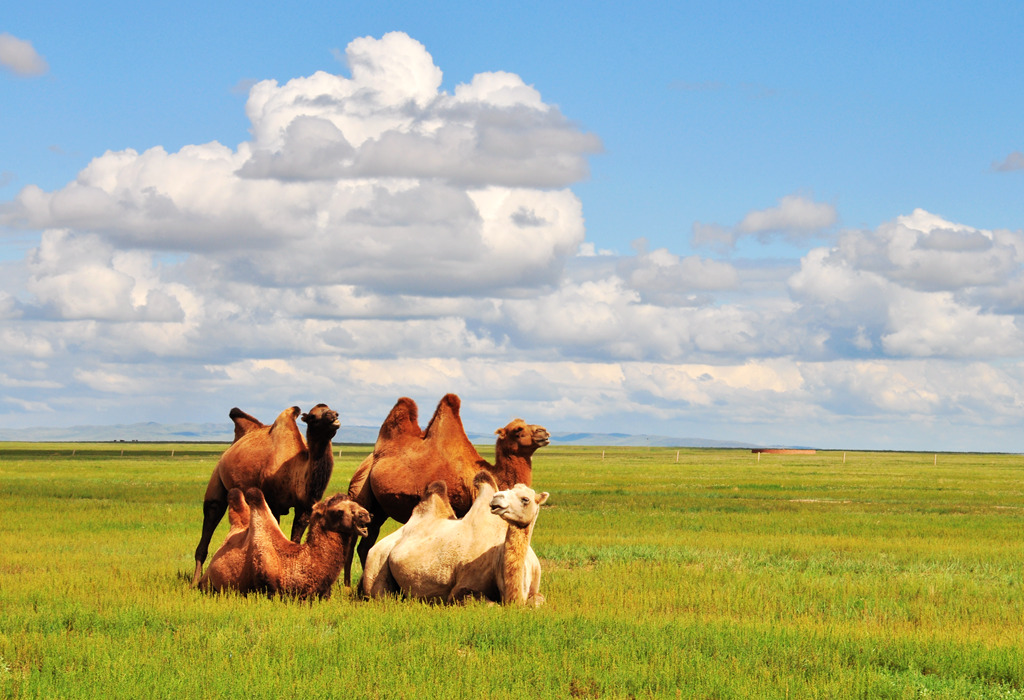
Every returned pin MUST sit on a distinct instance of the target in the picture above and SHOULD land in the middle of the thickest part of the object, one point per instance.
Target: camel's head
(340, 514)
(322, 418)
(520, 437)
(518, 505)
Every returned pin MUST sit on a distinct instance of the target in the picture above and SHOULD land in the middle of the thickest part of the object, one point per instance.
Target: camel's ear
(542, 497)
(305, 417)
(500, 432)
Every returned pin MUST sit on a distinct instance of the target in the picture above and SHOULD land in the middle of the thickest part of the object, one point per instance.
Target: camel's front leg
(299, 524)
(213, 511)
(372, 533)
(459, 595)
(348, 548)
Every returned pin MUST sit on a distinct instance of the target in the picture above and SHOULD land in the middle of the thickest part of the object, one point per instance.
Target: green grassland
(697, 573)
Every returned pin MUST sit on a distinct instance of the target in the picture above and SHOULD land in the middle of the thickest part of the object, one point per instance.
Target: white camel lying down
(486, 554)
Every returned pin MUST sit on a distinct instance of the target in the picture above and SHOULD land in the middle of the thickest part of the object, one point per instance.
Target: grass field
(708, 575)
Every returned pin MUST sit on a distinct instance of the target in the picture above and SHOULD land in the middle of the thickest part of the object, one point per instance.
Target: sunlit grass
(710, 574)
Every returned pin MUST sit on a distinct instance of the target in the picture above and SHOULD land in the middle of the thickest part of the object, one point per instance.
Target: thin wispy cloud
(18, 56)
(1014, 161)
(794, 218)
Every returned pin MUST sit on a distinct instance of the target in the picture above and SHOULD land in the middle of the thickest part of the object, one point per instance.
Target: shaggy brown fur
(259, 558)
(276, 460)
(405, 459)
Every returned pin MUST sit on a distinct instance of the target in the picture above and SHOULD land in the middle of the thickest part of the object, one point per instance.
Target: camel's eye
(525, 500)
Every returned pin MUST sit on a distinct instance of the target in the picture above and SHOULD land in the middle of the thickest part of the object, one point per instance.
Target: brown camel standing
(405, 459)
(257, 557)
(291, 472)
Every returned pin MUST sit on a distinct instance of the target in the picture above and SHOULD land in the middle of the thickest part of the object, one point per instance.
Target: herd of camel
(467, 523)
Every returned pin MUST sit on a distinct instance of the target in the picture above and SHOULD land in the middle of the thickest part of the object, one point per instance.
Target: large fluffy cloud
(378, 236)
(379, 179)
(914, 287)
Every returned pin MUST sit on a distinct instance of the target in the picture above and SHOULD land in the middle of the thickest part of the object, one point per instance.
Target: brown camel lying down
(291, 472)
(257, 557)
(486, 554)
(405, 460)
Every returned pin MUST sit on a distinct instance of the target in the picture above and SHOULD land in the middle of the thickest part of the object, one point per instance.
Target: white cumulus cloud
(377, 180)
(918, 286)
(377, 236)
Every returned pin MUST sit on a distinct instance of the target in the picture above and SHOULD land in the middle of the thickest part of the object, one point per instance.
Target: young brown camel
(257, 557)
(405, 460)
(486, 554)
(291, 472)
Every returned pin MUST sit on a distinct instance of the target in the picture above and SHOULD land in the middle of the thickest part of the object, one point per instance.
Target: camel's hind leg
(379, 584)
(215, 504)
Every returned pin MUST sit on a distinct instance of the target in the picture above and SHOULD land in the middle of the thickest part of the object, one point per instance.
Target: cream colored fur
(486, 554)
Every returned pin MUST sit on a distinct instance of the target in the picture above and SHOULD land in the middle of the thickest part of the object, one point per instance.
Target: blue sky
(797, 224)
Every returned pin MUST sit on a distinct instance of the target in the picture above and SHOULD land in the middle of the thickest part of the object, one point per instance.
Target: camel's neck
(517, 542)
(323, 551)
(511, 469)
(321, 464)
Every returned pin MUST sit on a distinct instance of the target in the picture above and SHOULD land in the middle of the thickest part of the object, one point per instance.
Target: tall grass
(887, 575)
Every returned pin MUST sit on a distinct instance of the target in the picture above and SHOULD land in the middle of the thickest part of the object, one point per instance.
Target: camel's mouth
(541, 438)
(361, 530)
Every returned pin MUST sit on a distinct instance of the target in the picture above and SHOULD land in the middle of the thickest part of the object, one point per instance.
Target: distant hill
(142, 432)
(219, 432)
(626, 440)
